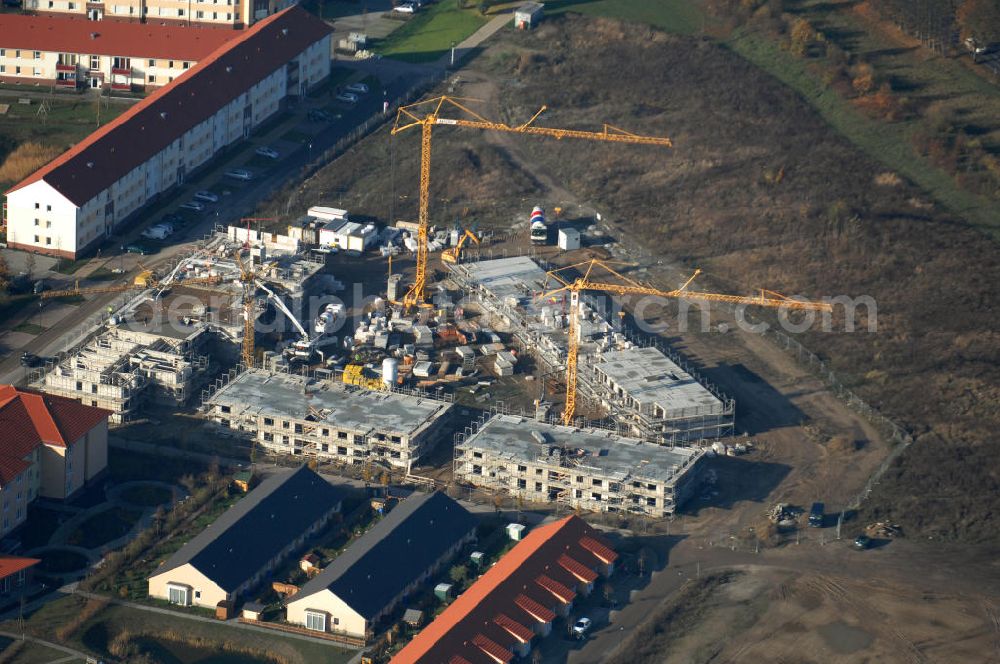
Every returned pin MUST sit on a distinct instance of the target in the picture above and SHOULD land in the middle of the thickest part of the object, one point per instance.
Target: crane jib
(447, 121)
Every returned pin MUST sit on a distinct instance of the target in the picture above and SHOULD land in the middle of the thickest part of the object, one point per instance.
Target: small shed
(528, 15)
(442, 591)
(225, 609)
(253, 610)
(413, 617)
(309, 563)
(477, 558)
(569, 239)
(515, 531)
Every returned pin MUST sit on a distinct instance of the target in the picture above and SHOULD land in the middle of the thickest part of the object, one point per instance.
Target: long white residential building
(68, 206)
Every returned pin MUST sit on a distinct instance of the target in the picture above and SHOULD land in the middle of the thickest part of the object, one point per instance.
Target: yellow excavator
(453, 254)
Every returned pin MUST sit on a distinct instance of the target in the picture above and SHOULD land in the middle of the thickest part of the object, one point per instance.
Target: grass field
(104, 527)
(888, 143)
(678, 16)
(430, 34)
(67, 122)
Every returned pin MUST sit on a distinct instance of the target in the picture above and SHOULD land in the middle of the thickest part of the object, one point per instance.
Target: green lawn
(888, 143)
(146, 496)
(679, 16)
(431, 33)
(104, 527)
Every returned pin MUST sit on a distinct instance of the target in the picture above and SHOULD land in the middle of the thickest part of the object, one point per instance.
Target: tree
(802, 36)
(864, 79)
(459, 573)
(29, 266)
(4, 275)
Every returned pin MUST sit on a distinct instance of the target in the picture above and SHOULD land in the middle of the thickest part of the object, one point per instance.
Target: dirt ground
(777, 615)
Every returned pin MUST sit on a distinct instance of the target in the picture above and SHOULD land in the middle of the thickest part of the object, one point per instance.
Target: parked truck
(539, 229)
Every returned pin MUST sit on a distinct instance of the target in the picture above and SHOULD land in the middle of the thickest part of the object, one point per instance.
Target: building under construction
(316, 416)
(641, 387)
(120, 369)
(590, 469)
(655, 397)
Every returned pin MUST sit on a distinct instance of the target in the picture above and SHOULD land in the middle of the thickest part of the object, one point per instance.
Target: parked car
(207, 196)
(405, 8)
(816, 515)
(196, 206)
(29, 359)
(347, 97)
(581, 627)
(317, 115)
(862, 542)
(266, 152)
(359, 88)
(239, 174)
(140, 249)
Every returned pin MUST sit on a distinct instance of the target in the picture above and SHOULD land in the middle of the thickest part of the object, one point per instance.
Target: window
(152, 63)
(171, 64)
(269, 421)
(188, 64)
(48, 208)
(477, 455)
(198, 14)
(342, 450)
(35, 71)
(177, 595)
(227, 409)
(95, 62)
(596, 482)
(3, 52)
(316, 621)
(17, 70)
(37, 55)
(477, 470)
(48, 224)
(37, 222)
(72, 6)
(152, 79)
(180, 12)
(268, 437)
(651, 502)
(596, 496)
(522, 484)
(37, 206)
(522, 469)
(37, 240)
(17, 53)
(538, 486)
(651, 487)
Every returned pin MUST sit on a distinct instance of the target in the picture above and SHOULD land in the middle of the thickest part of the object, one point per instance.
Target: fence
(326, 636)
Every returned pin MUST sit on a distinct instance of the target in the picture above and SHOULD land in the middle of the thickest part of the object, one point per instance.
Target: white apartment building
(68, 206)
(218, 13)
(71, 53)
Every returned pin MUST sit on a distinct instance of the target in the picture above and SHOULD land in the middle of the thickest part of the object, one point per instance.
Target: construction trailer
(590, 469)
(324, 418)
(528, 15)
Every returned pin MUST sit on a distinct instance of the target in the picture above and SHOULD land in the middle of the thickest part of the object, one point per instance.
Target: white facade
(348, 235)
(39, 218)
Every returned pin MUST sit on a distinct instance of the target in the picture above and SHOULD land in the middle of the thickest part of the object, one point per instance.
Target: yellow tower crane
(248, 279)
(588, 280)
(426, 114)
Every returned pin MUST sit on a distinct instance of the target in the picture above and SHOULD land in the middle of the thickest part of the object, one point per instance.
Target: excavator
(453, 255)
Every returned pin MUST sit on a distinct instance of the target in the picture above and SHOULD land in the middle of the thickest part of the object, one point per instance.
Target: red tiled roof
(561, 592)
(493, 649)
(58, 34)
(135, 136)
(14, 564)
(534, 609)
(517, 630)
(577, 569)
(29, 419)
(605, 553)
(458, 659)
(511, 588)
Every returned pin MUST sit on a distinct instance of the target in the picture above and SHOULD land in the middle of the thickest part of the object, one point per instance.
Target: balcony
(122, 71)
(61, 67)
(126, 87)
(66, 82)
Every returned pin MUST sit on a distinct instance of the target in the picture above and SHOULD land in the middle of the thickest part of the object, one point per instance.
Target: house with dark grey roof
(240, 549)
(398, 554)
